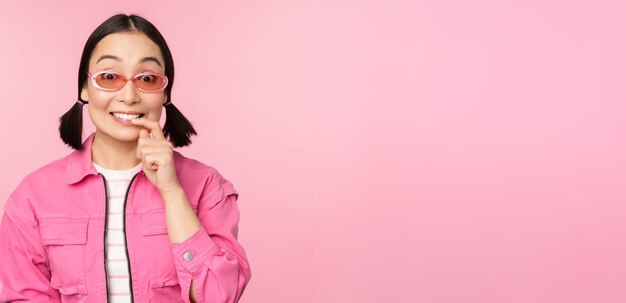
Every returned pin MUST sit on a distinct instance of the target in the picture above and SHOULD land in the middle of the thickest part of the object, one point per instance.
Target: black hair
(177, 128)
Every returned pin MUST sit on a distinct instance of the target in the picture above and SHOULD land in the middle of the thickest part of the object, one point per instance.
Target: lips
(127, 113)
(125, 116)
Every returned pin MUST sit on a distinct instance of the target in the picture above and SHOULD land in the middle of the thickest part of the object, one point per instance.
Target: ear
(83, 93)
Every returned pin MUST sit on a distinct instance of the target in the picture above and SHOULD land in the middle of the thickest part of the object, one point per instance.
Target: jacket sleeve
(24, 271)
(212, 256)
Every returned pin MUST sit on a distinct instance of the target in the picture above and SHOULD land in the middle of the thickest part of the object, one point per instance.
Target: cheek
(155, 113)
(98, 98)
(155, 106)
(97, 112)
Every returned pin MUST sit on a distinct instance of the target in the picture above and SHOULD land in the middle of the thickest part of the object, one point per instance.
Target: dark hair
(177, 128)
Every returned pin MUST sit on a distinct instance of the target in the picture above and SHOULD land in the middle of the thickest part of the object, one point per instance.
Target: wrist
(171, 189)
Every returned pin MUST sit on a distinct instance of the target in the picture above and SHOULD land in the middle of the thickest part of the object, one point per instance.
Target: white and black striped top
(116, 262)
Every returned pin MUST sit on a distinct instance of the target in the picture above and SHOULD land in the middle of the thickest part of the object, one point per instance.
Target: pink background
(385, 151)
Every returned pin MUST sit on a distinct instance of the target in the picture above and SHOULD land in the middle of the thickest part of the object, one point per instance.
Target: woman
(124, 217)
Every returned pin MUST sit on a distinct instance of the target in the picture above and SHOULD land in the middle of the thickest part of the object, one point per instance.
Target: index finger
(153, 126)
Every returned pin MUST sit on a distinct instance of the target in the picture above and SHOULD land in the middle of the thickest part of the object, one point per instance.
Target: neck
(114, 154)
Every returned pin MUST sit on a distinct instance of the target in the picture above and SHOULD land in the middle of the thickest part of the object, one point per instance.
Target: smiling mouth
(126, 116)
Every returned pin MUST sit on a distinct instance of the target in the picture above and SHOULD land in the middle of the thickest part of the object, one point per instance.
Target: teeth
(127, 117)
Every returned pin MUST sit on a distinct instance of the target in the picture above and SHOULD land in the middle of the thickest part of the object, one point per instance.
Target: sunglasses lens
(109, 80)
(150, 82)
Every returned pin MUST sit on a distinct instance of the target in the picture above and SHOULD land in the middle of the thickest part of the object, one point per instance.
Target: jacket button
(188, 256)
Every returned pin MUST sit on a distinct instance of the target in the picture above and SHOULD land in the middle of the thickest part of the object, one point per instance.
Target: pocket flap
(156, 283)
(63, 230)
(153, 223)
(73, 290)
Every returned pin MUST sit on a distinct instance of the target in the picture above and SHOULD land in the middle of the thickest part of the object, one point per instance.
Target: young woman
(124, 217)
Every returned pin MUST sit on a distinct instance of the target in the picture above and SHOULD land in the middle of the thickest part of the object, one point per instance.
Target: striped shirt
(116, 262)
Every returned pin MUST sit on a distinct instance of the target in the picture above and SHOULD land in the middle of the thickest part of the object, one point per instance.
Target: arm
(218, 270)
(24, 272)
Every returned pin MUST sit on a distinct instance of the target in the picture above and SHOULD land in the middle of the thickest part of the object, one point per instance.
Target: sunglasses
(109, 80)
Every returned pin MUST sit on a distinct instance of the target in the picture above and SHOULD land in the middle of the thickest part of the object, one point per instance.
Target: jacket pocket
(156, 244)
(65, 237)
(153, 223)
(165, 290)
(153, 220)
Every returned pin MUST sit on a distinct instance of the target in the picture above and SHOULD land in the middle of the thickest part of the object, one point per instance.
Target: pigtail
(71, 126)
(177, 127)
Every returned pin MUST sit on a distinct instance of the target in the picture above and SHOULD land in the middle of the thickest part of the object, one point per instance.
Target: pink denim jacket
(53, 228)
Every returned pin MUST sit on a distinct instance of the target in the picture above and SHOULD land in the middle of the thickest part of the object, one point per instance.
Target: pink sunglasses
(109, 80)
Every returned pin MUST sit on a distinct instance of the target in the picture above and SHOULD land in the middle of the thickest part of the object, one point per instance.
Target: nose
(129, 93)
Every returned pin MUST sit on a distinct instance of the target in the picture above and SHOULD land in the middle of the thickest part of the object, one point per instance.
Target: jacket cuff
(194, 251)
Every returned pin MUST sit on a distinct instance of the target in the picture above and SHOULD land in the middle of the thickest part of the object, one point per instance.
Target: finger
(156, 149)
(151, 161)
(142, 134)
(153, 126)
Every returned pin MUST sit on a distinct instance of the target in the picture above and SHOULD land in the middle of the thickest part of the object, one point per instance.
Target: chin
(128, 137)
(123, 133)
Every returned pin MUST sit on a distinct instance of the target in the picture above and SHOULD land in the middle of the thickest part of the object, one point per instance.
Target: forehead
(126, 51)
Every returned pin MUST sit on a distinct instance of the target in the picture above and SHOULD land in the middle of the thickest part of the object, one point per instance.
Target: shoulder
(191, 167)
(33, 185)
(49, 174)
(201, 180)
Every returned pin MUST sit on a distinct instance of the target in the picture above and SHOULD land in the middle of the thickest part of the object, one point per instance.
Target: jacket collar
(80, 164)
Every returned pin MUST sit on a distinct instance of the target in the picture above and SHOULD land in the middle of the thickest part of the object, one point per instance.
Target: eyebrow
(146, 59)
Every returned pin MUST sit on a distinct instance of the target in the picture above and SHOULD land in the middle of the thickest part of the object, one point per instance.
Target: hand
(156, 154)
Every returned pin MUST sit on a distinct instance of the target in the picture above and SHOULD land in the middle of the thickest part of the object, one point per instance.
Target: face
(131, 50)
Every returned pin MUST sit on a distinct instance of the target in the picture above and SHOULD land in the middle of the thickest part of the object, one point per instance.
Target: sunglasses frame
(92, 77)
